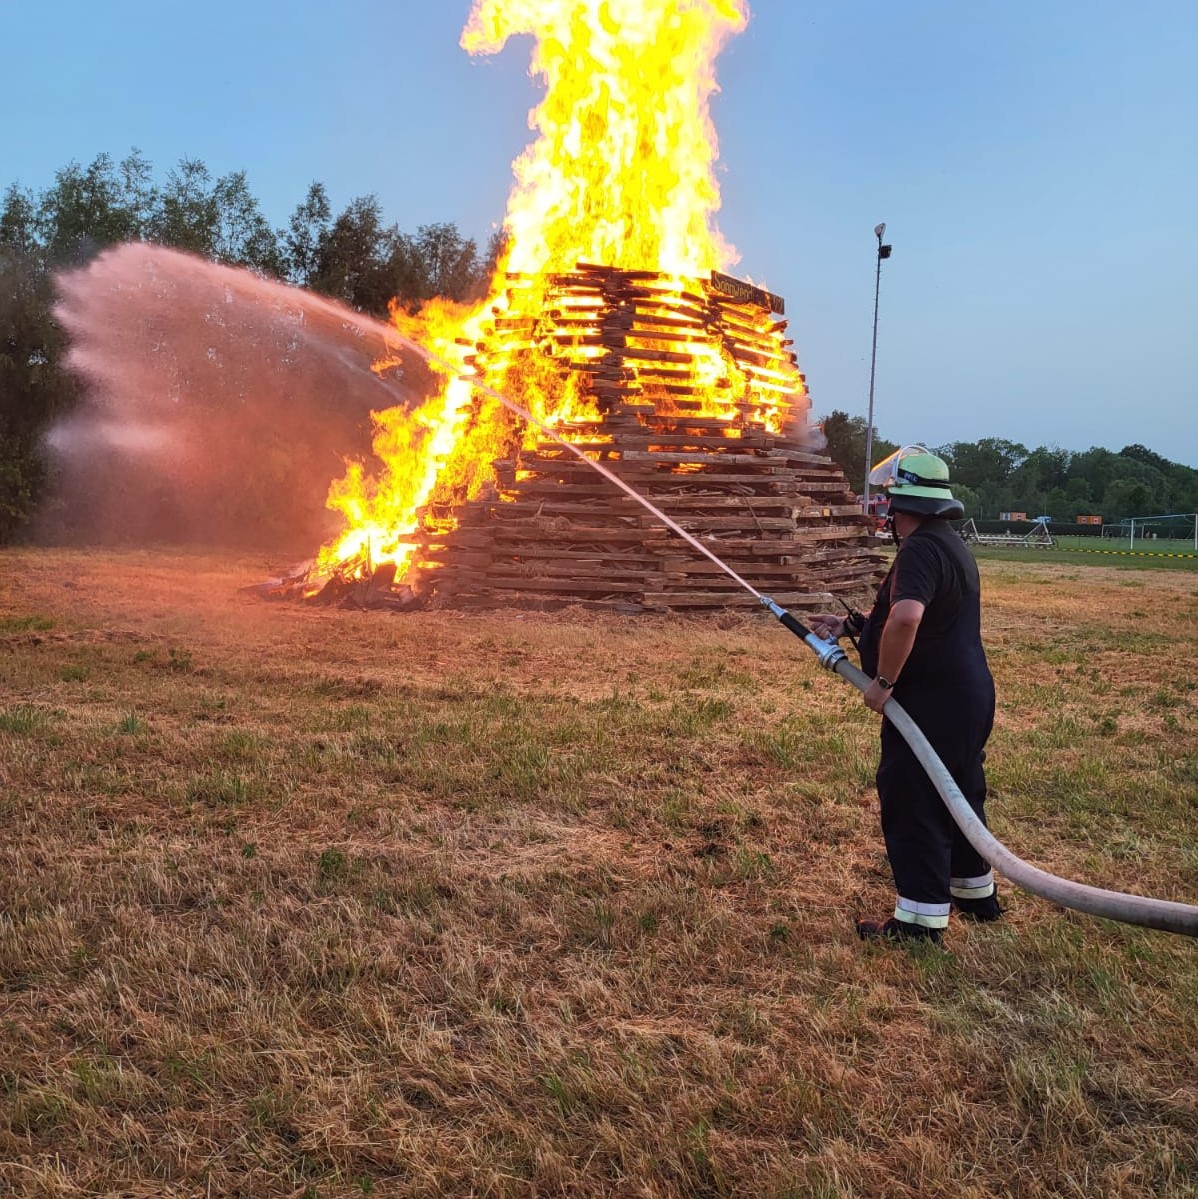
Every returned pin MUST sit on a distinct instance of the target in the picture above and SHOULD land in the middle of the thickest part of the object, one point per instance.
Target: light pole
(883, 252)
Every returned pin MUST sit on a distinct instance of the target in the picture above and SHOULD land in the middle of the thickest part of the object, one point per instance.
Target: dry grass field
(300, 902)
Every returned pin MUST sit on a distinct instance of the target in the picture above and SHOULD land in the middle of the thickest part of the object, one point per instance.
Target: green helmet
(919, 485)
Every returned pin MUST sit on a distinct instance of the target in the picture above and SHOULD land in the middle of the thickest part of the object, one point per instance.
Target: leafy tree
(1152, 488)
(969, 498)
(139, 193)
(18, 222)
(438, 261)
(218, 219)
(355, 257)
(86, 209)
(845, 437)
(450, 260)
(187, 216)
(1097, 467)
(1147, 457)
(1126, 497)
(243, 235)
(1067, 502)
(978, 464)
(34, 390)
(305, 235)
(1179, 490)
(359, 260)
(1042, 470)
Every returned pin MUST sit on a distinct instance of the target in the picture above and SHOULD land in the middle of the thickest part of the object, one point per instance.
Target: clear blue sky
(1035, 161)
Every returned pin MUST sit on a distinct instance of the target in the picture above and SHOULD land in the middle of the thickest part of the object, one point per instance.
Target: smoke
(218, 405)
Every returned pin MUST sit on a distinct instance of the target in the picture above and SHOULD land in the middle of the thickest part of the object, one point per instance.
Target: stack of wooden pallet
(697, 404)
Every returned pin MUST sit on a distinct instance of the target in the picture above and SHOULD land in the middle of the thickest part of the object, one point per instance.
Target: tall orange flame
(621, 173)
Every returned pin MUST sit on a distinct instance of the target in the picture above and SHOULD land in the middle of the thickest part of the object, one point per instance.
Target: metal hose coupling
(828, 652)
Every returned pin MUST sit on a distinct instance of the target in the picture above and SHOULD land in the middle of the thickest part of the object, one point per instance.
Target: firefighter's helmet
(919, 485)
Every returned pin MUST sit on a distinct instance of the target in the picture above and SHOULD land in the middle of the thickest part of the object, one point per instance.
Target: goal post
(1183, 523)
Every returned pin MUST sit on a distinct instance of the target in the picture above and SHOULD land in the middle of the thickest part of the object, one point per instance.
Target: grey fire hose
(1113, 905)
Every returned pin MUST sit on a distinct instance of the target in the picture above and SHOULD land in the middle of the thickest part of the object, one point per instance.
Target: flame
(622, 169)
(416, 448)
(621, 173)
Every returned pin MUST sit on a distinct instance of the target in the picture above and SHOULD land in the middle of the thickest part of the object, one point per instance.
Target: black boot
(896, 930)
(982, 910)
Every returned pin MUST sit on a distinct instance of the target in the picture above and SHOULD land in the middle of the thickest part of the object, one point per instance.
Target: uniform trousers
(925, 847)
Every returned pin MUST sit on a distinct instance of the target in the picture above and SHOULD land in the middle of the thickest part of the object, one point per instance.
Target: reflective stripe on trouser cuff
(981, 887)
(930, 915)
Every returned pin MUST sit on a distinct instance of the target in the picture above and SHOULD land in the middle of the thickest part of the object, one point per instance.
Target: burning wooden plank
(691, 395)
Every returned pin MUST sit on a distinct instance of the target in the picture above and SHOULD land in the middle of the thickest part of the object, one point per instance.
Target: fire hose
(1163, 914)
(1113, 905)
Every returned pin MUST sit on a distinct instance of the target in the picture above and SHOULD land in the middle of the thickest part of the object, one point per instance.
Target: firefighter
(922, 643)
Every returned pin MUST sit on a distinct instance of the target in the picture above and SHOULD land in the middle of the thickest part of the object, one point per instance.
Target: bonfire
(612, 325)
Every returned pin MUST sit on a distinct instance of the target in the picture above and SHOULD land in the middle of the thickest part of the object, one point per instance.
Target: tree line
(355, 257)
(993, 475)
(352, 256)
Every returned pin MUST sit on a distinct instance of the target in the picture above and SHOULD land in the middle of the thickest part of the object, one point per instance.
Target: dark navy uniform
(946, 687)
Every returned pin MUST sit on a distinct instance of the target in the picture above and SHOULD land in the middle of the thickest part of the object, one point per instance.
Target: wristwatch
(885, 684)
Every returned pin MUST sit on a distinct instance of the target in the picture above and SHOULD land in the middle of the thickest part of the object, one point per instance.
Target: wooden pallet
(743, 480)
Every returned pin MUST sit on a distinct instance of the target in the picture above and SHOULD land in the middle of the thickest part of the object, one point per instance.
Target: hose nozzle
(776, 609)
(828, 652)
